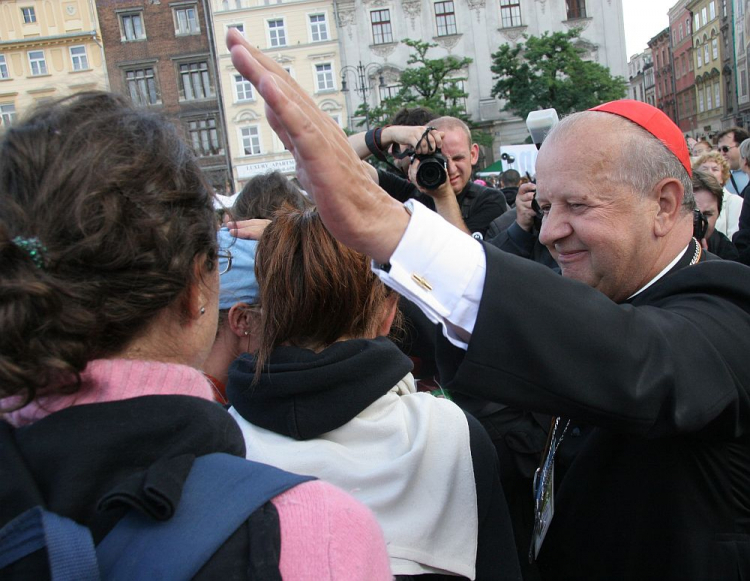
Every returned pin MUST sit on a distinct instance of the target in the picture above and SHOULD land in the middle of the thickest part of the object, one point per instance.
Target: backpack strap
(140, 548)
(70, 548)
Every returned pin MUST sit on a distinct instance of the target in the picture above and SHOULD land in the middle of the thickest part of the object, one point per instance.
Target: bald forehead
(453, 125)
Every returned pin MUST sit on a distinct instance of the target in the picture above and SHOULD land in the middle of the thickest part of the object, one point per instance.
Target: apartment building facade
(48, 49)
(660, 46)
(302, 37)
(680, 24)
(371, 31)
(709, 74)
(161, 55)
(741, 29)
(637, 66)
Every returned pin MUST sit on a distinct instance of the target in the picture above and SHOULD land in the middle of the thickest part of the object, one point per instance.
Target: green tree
(547, 71)
(426, 82)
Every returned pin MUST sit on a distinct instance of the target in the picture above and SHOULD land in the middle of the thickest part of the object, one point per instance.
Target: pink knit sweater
(325, 533)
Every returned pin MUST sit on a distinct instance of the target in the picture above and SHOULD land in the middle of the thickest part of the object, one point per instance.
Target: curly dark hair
(117, 200)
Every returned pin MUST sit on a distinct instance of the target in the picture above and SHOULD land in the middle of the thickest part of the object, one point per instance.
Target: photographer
(466, 205)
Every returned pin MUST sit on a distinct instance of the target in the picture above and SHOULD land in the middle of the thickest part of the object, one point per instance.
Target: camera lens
(431, 173)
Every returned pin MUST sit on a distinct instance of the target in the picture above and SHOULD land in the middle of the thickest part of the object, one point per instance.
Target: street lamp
(361, 74)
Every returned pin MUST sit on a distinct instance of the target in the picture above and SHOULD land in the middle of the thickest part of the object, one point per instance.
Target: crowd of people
(382, 376)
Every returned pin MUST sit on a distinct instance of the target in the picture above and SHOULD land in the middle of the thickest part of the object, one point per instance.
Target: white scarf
(407, 458)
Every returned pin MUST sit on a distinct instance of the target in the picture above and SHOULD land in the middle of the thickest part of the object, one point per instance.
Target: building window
(186, 20)
(510, 13)
(243, 89)
(709, 99)
(3, 68)
(700, 100)
(195, 81)
(250, 137)
(699, 54)
(79, 58)
(381, 26)
(681, 32)
(687, 26)
(7, 114)
(712, 10)
(704, 16)
(142, 87)
(37, 63)
(697, 21)
(717, 95)
(239, 27)
(743, 82)
(29, 15)
(576, 8)
(445, 17)
(205, 137)
(705, 54)
(318, 27)
(715, 48)
(131, 27)
(276, 32)
(324, 77)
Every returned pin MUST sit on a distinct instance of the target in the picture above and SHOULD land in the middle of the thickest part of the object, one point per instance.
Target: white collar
(662, 273)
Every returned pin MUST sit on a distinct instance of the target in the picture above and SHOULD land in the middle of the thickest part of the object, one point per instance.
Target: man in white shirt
(649, 349)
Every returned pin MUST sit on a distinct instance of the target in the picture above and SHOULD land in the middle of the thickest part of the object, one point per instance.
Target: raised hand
(352, 206)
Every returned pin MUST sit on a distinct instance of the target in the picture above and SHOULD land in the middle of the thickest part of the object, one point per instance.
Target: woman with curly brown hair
(108, 308)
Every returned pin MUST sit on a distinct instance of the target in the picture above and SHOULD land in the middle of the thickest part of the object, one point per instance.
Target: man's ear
(243, 319)
(669, 196)
(474, 154)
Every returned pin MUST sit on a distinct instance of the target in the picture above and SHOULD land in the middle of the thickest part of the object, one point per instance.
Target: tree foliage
(548, 71)
(426, 82)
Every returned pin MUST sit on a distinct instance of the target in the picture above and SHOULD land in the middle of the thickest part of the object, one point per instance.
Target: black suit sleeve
(675, 363)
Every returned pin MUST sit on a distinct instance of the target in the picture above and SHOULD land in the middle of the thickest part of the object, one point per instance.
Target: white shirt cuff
(441, 270)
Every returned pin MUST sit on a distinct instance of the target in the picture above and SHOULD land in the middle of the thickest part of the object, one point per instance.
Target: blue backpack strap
(220, 493)
(70, 548)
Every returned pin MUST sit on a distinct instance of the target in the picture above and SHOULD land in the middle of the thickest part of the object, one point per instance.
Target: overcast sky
(643, 20)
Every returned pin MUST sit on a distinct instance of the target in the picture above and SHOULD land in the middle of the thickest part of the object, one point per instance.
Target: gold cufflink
(421, 282)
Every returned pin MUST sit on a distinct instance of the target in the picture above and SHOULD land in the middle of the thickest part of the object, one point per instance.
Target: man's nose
(555, 227)
(452, 167)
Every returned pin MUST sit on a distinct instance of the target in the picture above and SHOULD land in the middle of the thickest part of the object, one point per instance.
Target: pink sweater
(325, 533)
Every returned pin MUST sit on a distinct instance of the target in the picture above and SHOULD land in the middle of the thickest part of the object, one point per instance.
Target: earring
(246, 333)
(203, 310)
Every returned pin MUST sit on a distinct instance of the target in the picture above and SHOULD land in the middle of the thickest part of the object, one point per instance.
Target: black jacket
(304, 394)
(92, 462)
(479, 204)
(660, 488)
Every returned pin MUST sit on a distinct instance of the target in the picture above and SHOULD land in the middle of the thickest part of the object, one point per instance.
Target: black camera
(700, 225)
(432, 171)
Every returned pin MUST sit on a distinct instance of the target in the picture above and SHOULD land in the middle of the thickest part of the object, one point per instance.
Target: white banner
(525, 158)
(253, 169)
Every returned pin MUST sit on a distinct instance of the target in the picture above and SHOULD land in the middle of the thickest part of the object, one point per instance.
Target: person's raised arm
(354, 209)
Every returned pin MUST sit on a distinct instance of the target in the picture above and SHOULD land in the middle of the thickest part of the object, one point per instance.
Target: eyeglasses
(725, 148)
(225, 261)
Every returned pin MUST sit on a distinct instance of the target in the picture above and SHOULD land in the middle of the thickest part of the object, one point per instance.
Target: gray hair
(745, 150)
(643, 160)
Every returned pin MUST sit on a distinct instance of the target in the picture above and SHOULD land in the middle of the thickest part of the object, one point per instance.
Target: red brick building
(160, 55)
(663, 80)
(680, 25)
